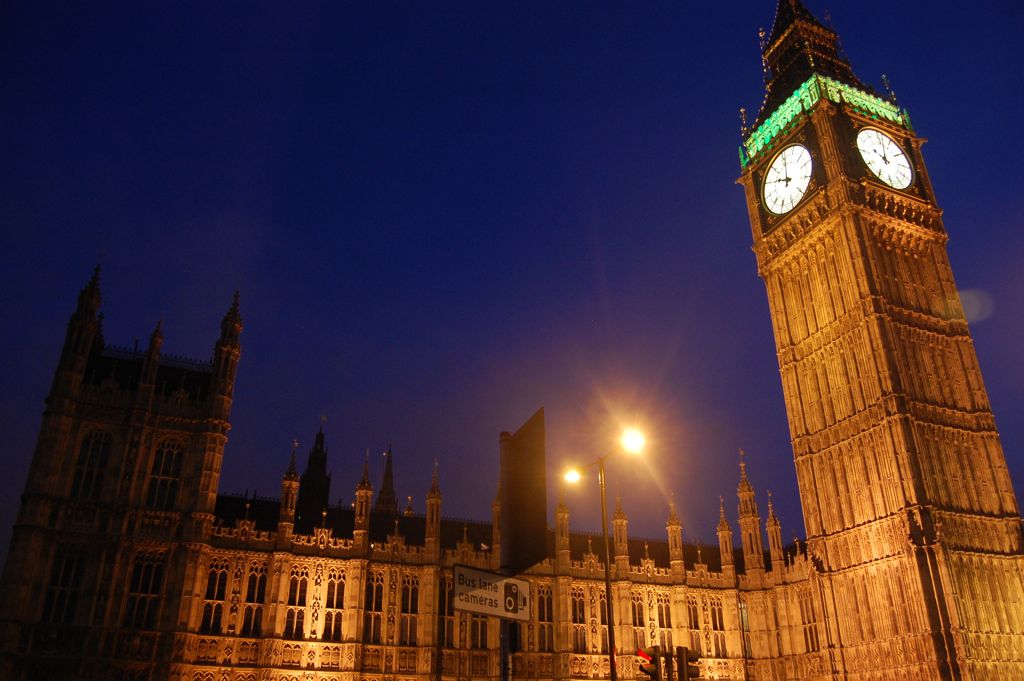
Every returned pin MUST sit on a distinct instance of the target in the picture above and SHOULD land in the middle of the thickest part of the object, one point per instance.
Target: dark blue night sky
(443, 215)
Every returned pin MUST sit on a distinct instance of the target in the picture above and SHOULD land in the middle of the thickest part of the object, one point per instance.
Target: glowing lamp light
(572, 476)
(633, 441)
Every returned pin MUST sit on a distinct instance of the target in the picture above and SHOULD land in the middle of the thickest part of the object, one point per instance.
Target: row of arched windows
(94, 456)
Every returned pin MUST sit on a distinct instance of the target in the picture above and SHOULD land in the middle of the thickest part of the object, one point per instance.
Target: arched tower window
(164, 476)
(64, 587)
(90, 466)
(143, 599)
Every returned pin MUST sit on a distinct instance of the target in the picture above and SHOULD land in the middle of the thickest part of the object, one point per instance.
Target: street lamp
(632, 442)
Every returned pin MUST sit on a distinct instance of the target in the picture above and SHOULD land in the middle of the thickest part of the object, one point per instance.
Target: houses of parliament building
(126, 562)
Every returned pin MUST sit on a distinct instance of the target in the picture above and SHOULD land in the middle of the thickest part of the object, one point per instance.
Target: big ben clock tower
(909, 510)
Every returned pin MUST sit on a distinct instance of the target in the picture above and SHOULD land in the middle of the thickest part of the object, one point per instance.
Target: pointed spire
(408, 505)
(744, 485)
(89, 297)
(435, 488)
(231, 325)
(386, 500)
(619, 513)
(771, 510)
(888, 89)
(723, 522)
(799, 46)
(292, 473)
(157, 337)
(673, 518)
(364, 482)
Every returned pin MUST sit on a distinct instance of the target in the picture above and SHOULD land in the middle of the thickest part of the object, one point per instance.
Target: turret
(725, 541)
(84, 332)
(364, 496)
(750, 523)
(432, 533)
(562, 556)
(774, 528)
(387, 501)
(620, 537)
(674, 529)
(289, 497)
(314, 488)
(226, 353)
(152, 361)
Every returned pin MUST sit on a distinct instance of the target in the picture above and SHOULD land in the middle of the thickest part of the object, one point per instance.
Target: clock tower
(908, 506)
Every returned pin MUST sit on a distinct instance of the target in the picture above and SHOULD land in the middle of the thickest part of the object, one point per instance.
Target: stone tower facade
(908, 505)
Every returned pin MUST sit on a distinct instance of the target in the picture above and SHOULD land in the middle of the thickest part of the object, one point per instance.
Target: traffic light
(686, 663)
(650, 661)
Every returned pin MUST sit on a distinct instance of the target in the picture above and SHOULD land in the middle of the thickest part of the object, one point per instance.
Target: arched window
(295, 619)
(334, 605)
(603, 618)
(374, 607)
(693, 622)
(579, 620)
(639, 620)
(216, 589)
(410, 607)
(718, 627)
(162, 490)
(545, 620)
(808, 621)
(65, 585)
(665, 621)
(447, 613)
(255, 597)
(143, 599)
(90, 466)
(478, 632)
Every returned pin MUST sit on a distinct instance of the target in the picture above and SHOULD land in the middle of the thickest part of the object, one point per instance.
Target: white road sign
(488, 593)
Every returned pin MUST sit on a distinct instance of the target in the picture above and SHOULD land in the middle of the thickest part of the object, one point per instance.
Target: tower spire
(799, 46)
(387, 502)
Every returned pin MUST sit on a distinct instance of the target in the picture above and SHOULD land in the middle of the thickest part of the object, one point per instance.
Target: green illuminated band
(804, 99)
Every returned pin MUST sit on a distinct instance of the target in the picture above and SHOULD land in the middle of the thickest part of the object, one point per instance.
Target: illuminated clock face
(787, 178)
(885, 158)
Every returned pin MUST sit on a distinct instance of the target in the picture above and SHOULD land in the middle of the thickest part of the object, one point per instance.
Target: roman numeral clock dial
(885, 158)
(787, 179)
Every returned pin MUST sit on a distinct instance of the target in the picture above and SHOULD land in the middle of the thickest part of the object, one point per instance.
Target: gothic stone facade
(125, 562)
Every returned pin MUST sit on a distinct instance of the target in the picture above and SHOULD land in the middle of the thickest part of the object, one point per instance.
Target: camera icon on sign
(513, 599)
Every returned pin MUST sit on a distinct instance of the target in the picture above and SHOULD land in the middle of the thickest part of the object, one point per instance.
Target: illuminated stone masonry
(126, 562)
(912, 523)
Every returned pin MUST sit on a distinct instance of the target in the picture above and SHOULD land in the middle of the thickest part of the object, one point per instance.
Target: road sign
(488, 593)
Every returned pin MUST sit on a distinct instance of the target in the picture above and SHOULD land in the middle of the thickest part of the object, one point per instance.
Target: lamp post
(632, 441)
